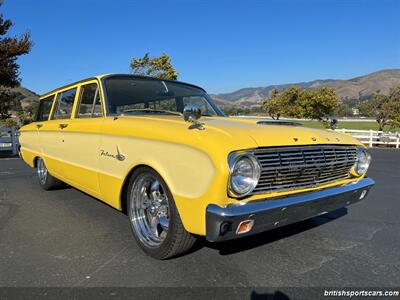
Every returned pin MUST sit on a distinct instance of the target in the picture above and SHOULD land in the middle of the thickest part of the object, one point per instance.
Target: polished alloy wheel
(41, 171)
(149, 210)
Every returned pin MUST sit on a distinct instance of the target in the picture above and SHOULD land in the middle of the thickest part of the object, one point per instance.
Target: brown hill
(24, 97)
(355, 89)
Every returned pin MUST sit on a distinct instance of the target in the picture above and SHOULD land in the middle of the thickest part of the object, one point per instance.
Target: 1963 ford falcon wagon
(165, 154)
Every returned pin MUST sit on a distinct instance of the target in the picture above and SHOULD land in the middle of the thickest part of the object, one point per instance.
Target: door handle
(62, 126)
(39, 125)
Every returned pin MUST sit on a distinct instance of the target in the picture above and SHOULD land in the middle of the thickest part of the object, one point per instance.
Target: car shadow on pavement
(278, 295)
(257, 240)
(62, 186)
(6, 154)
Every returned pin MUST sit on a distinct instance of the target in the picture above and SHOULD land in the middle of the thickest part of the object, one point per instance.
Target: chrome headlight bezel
(362, 163)
(233, 161)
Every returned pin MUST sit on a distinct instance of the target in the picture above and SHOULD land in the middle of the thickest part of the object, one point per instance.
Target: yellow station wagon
(162, 152)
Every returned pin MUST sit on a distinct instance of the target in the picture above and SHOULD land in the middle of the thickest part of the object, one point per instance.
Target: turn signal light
(245, 226)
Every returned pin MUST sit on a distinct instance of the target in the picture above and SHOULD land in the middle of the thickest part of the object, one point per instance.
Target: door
(81, 140)
(31, 140)
(51, 136)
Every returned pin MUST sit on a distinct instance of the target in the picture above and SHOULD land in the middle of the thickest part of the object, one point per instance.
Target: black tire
(177, 240)
(46, 181)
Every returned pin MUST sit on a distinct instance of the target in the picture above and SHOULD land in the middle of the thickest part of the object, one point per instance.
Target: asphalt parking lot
(66, 238)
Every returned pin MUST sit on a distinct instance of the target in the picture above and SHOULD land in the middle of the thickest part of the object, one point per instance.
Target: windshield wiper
(150, 110)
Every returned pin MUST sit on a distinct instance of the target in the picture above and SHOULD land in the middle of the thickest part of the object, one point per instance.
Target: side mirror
(191, 113)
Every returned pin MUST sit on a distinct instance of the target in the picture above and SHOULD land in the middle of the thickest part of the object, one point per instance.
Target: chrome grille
(286, 168)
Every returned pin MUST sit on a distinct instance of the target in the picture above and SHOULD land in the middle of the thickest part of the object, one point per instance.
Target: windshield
(130, 95)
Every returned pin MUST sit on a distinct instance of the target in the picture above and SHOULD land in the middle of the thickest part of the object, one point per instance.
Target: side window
(90, 104)
(64, 104)
(165, 104)
(44, 108)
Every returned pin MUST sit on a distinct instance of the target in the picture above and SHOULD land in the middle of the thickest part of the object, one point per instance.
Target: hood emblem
(295, 139)
(314, 139)
(338, 139)
(118, 156)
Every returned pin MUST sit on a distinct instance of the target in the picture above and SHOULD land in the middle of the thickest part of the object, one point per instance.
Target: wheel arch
(35, 159)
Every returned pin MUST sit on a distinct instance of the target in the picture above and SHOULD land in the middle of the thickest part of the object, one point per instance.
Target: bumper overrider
(225, 223)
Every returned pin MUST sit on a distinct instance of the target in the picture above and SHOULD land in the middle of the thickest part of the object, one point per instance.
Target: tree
(27, 115)
(394, 97)
(344, 110)
(283, 103)
(10, 122)
(272, 105)
(365, 109)
(380, 106)
(10, 49)
(298, 103)
(290, 101)
(6, 102)
(387, 108)
(157, 66)
(319, 104)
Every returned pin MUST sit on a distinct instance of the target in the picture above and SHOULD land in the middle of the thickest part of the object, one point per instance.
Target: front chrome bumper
(222, 222)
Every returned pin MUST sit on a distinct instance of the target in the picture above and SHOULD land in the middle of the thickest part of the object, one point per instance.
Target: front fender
(193, 176)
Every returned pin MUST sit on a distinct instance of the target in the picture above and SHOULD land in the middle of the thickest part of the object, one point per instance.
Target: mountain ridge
(359, 88)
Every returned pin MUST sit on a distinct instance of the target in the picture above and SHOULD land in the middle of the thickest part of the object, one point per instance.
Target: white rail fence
(373, 138)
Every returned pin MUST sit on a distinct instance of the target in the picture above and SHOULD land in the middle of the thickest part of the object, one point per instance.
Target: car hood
(275, 134)
(234, 133)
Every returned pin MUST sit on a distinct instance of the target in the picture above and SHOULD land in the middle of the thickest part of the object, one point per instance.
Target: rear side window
(64, 104)
(89, 102)
(44, 108)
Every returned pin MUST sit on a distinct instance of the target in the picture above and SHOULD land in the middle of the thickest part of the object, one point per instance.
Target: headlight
(362, 163)
(245, 172)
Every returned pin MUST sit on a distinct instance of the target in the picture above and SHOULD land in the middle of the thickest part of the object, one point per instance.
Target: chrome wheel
(149, 210)
(41, 171)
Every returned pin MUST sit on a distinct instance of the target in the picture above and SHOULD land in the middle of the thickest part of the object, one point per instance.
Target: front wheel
(154, 218)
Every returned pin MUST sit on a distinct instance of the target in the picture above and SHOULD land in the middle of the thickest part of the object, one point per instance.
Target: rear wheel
(154, 218)
(46, 180)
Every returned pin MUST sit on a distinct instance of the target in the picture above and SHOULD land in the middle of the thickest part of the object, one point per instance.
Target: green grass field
(360, 125)
(356, 125)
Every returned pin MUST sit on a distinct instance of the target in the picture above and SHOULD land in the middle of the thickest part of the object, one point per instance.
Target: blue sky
(220, 45)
